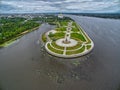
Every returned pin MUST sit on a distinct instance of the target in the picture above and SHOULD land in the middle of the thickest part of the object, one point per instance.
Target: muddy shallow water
(25, 65)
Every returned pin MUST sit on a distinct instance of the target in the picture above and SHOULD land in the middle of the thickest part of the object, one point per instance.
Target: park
(68, 40)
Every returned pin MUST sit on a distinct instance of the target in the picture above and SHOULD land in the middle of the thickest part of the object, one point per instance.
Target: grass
(61, 29)
(76, 51)
(63, 23)
(74, 47)
(88, 46)
(57, 35)
(74, 23)
(54, 50)
(56, 46)
(75, 29)
(88, 40)
(78, 36)
(44, 39)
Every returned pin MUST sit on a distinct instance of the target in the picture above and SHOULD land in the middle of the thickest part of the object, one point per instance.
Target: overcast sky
(42, 6)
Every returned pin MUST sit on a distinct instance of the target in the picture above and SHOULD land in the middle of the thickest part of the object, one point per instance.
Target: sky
(68, 6)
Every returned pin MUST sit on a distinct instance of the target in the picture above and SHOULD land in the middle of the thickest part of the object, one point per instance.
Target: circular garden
(68, 40)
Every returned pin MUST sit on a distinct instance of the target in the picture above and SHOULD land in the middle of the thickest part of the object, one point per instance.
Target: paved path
(72, 43)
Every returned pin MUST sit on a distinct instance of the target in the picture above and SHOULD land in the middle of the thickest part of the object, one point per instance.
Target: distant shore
(99, 15)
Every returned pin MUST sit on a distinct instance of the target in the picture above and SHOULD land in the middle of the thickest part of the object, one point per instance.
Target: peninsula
(68, 40)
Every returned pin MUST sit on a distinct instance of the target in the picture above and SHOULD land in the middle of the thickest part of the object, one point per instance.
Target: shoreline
(12, 40)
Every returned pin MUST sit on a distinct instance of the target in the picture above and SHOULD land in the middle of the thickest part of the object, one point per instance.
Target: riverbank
(11, 41)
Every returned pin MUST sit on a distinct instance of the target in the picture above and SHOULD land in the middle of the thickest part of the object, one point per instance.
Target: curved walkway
(64, 55)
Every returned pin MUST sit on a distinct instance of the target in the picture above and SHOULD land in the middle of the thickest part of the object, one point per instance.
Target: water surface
(25, 65)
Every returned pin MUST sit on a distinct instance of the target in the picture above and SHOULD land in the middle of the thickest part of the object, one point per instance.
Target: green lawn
(78, 36)
(88, 47)
(63, 23)
(54, 50)
(74, 29)
(61, 29)
(57, 35)
(76, 51)
(74, 47)
(56, 46)
(88, 40)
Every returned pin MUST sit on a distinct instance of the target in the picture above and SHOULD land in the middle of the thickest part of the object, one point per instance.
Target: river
(25, 65)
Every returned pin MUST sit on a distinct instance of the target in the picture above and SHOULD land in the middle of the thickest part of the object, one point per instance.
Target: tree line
(11, 27)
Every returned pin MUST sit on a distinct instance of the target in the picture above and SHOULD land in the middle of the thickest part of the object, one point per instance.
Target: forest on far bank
(12, 27)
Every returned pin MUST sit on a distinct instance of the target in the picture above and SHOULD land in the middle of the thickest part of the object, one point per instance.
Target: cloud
(90, 5)
(60, 6)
